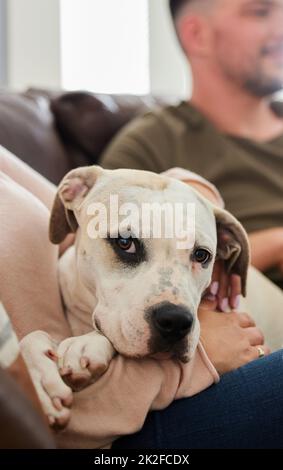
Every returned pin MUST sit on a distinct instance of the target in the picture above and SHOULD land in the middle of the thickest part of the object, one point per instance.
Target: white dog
(132, 295)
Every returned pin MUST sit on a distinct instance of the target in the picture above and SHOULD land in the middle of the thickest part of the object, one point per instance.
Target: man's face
(247, 43)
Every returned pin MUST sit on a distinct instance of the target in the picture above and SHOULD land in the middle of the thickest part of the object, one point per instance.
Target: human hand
(224, 288)
(39, 353)
(230, 341)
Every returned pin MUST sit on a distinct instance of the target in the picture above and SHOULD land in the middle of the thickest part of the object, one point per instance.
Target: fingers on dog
(244, 320)
(223, 291)
(58, 391)
(227, 288)
(55, 398)
(255, 336)
(235, 290)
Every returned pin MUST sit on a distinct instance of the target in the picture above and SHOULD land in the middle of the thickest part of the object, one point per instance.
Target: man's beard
(261, 86)
(255, 81)
(258, 83)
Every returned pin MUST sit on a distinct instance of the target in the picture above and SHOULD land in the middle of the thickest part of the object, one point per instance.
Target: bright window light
(105, 45)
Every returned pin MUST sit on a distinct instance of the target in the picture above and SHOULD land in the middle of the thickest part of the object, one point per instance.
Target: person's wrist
(278, 241)
(278, 237)
(266, 248)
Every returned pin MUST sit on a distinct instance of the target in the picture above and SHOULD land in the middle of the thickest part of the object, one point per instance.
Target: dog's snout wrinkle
(173, 322)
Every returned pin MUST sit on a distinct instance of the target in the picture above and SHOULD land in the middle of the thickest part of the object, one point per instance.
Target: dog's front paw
(39, 353)
(83, 359)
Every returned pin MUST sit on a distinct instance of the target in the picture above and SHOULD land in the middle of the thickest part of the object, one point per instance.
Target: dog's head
(147, 289)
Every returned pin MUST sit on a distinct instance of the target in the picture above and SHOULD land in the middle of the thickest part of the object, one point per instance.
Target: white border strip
(3, 44)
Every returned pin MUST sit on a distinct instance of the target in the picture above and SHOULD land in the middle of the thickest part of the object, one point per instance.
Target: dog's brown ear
(71, 191)
(232, 245)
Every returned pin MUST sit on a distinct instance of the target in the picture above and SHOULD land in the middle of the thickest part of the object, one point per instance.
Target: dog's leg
(83, 359)
(39, 353)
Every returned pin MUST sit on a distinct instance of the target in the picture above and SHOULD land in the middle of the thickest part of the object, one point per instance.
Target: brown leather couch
(54, 132)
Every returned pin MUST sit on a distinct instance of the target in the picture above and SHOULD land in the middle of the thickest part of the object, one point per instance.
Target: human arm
(121, 399)
(118, 403)
(29, 287)
(23, 175)
(267, 248)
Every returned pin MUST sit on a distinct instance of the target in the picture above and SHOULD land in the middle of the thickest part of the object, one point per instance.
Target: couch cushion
(27, 130)
(89, 121)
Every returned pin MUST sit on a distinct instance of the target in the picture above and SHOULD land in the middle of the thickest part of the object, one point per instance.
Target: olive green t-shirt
(248, 174)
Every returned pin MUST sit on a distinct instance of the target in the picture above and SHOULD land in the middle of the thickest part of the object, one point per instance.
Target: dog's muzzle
(171, 322)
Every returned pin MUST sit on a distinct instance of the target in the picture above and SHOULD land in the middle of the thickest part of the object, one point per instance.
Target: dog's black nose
(173, 322)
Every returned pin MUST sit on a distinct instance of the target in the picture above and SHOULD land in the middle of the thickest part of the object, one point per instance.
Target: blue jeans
(245, 410)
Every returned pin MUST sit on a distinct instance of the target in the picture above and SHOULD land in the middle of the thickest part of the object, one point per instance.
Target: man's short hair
(175, 6)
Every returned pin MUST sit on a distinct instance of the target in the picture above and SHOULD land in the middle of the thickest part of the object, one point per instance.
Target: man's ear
(232, 245)
(70, 194)
(194, 35)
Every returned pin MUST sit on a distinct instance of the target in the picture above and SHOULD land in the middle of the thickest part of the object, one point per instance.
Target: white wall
(110, 49)
(169, 73)
(33, 43)
(3, 44)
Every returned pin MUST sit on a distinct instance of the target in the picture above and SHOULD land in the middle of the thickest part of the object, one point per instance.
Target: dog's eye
(130, 250)
(126, 244)
(201, 255)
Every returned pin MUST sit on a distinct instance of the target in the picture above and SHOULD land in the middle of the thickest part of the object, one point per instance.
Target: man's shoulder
(172, 119)
(150, 141)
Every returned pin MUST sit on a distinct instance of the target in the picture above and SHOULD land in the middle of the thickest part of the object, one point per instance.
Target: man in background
(230, 131)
